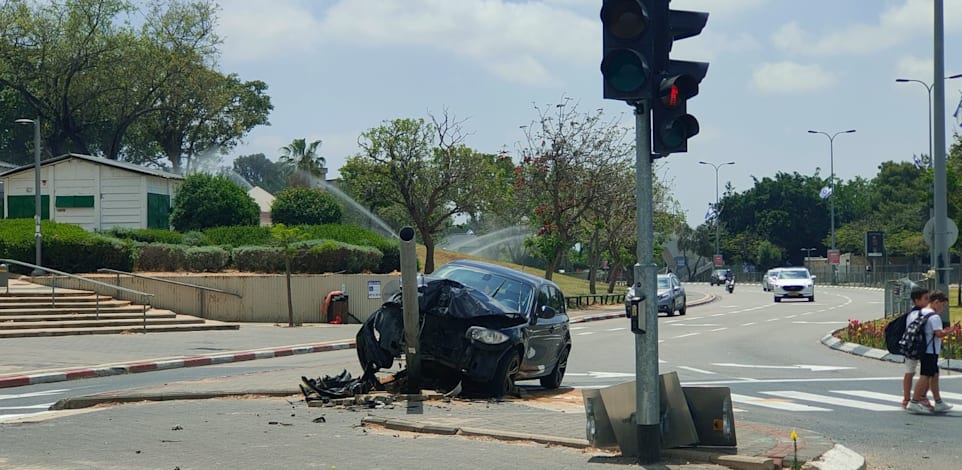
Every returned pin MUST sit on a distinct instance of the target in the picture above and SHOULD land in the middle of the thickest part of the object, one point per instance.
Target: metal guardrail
(53, 288)
(582, 301)
(203, 289)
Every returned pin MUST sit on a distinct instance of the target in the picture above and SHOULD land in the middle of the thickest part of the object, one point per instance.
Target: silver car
(671, 296)
(794, 283)
(768, 278)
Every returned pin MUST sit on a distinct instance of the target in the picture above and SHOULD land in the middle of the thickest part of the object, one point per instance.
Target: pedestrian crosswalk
(792, 400)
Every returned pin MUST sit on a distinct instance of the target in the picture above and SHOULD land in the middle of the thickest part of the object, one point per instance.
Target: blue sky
(778, 68)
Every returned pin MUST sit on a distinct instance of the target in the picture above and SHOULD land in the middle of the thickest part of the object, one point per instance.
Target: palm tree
(303, 163)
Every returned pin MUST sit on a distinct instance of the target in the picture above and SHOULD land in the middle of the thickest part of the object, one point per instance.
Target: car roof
(502, 271)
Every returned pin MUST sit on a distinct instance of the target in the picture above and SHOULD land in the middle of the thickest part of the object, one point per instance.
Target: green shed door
(21, 207)
(158, 211)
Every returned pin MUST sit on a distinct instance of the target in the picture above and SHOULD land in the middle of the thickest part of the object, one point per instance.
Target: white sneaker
(941, 407)
(915, 407)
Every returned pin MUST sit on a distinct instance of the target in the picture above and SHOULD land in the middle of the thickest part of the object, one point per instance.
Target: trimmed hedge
(391, 249)
(146, 235)
(210, 259)
(238, 235)
(258, 259)
(65, 247)
(161, 257)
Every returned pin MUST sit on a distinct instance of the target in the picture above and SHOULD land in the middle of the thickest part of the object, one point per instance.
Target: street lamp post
(717, 225)
(38, 238)
(831, 163)
(808, 254)
(931, 159)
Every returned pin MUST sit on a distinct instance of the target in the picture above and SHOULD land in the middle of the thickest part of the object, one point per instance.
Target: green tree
(564, 156)
(422, 170)
(287, 238)
(785, 210)
(304, 206)
(302, 163)
(258, 170)
(205, 201)
(103, 86)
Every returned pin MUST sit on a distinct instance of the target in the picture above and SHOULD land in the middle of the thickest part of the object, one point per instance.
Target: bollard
(5, 276)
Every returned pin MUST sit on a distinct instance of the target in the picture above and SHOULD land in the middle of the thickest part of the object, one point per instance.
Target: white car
(768, 278)
(794, 283)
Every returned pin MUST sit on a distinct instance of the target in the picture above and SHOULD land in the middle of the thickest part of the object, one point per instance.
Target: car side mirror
(547, 312)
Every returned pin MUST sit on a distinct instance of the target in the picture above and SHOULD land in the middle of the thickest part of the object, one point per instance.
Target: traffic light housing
(630, 32)
(677, 82)
(671, 125)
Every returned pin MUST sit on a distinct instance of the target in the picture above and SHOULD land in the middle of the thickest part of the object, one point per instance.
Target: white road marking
(873, 395)
(34, 394)
(695, 324)
(720, 329)
(586, 333)
(813, 368)
(700, 371)
(749, 323)
(828, 399)
(616, 329)
(41, 406)
(801, 322)
(774, 403)
(686, 335)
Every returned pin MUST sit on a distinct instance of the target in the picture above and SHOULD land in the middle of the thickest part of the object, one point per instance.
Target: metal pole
(647, 387)
(938, 137)
(831, 163)
(717, 224)
(409, 306)
(38, 238)
(37, 213)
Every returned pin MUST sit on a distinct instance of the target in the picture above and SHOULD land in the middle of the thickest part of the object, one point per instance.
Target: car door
(545, 335)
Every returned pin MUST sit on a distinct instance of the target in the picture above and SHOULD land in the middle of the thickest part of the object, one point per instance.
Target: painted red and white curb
(176, 363)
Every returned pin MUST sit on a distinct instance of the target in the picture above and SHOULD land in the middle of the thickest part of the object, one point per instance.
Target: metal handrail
(203, 289)
(53, 288)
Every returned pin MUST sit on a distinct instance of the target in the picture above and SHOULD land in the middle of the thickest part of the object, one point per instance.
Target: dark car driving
(528, 339)
(719, 276)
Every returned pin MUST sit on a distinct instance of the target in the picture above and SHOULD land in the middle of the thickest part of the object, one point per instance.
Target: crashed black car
(481, 324)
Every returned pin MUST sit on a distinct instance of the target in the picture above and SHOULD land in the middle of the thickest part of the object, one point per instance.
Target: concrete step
(64, 304)
(207, 325)
(68, 311)
(37, 297)
(5, 319)
(103, 323)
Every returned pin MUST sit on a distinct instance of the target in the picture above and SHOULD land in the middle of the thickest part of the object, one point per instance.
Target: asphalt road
(770, 356)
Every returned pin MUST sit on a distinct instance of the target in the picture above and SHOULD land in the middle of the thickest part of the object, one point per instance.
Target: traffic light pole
(647, 387)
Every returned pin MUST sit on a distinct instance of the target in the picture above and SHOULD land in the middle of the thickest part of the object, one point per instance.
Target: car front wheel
(503, 381)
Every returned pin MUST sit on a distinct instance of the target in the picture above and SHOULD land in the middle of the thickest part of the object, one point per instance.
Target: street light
(717, 225)
(38, 239)
(831, 162)
(808, 254)
(928, 88)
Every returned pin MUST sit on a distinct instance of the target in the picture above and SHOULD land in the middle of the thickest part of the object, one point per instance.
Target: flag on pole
(958, 111)
(825, 192)
(918, 161)
(711, 213)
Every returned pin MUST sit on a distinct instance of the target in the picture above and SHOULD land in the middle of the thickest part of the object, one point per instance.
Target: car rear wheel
(553, 380)
(684, 307)
(778, 299)
(811, 299)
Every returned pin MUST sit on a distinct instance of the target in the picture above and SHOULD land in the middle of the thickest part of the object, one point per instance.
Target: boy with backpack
(920, 300)
(931, 334)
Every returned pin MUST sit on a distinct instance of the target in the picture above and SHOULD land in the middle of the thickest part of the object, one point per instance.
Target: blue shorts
(930, 365)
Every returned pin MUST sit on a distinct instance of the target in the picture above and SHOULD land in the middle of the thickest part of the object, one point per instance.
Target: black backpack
(913, 341)
(894, 331)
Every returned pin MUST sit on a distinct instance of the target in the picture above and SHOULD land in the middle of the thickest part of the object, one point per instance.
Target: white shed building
(95, 193)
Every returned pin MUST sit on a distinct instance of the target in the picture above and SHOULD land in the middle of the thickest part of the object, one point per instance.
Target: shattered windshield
(513, 294)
